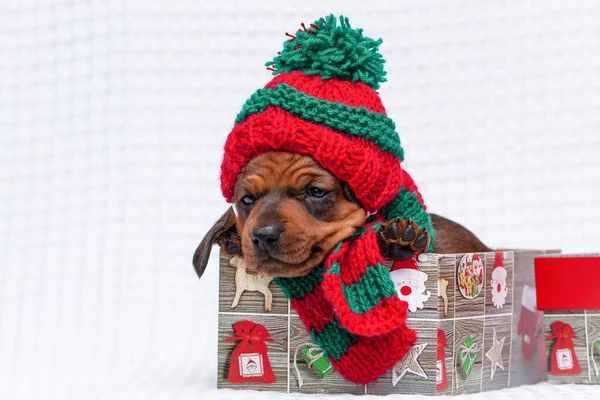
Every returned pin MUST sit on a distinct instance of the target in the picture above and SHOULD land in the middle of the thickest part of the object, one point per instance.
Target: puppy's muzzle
(265, 238)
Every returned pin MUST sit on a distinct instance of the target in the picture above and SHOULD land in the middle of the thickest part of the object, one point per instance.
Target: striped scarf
(350, 307)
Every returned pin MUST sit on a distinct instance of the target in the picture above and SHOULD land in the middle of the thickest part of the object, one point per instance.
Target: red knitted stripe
(314, 310)
(353, 94)
(386, 316)
(350, 159)
(409, 184)
(360, 364)
(363, 256)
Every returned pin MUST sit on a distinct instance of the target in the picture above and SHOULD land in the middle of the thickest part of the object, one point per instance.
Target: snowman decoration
(499, 289)
(409, 281)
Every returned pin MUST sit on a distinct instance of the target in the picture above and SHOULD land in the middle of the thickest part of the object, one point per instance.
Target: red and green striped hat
(323, 103)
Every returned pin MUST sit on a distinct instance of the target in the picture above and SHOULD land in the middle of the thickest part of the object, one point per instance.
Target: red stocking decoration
(563, 360)
(527, 326)
(441, 379)
(249, 361)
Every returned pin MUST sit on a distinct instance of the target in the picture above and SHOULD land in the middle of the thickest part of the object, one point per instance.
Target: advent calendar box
(568, 295)
(475, 317)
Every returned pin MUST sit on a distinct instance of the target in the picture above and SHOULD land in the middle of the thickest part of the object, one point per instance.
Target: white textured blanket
(112, 119)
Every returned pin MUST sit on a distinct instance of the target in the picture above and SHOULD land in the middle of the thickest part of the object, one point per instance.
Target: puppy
(289, 213)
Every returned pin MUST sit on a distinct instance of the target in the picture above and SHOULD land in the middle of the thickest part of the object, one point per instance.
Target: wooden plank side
(470, 307)
(501, 324)
(332, 383)
(523, 371)
(410, 383)
(250, 302)
(472, 382)
(508, 261)
(448, 327)
(577, 322)
(447, 271)
(277, 350)
(593, 334)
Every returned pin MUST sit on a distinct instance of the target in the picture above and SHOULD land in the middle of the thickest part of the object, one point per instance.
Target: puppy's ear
(349, 194)
(222, 233)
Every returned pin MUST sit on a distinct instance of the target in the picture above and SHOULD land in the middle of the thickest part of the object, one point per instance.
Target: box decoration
(245, 281)
(410, 363)
(498, 283)
(409, 282)
(563, 360)
(470, 276)
(467, 354)
(249, 361)
(531, 328)
(315, 359)
(567, 294)
(494, 354)
(441, 378)
(595, 346)
(457, 346)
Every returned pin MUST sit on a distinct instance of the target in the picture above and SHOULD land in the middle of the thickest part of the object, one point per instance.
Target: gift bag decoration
(441, 379)
(563, 360)
(249, 361)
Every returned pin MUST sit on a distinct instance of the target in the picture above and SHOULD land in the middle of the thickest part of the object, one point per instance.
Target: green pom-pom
(332, 51)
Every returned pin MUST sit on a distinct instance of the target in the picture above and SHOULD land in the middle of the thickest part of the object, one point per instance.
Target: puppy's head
(290, 213)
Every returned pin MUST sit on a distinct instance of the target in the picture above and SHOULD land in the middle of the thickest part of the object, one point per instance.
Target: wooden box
(568, 295)
(508, 328)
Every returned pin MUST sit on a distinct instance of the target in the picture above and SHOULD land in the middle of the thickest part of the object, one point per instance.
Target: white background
(112, 120)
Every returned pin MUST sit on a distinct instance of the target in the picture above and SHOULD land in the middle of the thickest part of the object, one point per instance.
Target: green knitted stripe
(335, 268)
(334, 340)
(406, 205)
(298, 287)
(356, 121)
(373, 286)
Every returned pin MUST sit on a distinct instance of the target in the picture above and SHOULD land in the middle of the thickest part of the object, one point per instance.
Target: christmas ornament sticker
(245, 281)
(563, 360)
(494, 354)
(443, 293)
(467, 354)
(409, 281)
(470, 275)
(409, 363)
(498, 282)
(249, 361)
(315, 358)
(531, 328)
(441, 378)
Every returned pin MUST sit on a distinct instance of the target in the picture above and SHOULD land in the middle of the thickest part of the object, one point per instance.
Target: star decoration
(495, 354)
(409, 364)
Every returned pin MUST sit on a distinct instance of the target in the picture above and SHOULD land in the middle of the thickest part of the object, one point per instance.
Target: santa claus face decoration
(410, 283)
(498, 282)
(470, 275)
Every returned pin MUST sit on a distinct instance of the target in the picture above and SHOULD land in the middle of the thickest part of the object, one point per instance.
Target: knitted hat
(407, 269)
(499, 272)
(323, 103)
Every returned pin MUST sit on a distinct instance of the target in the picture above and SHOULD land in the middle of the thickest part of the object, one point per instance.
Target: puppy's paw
(401, 239)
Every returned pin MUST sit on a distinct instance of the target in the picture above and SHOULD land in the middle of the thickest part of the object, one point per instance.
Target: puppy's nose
(265, 238)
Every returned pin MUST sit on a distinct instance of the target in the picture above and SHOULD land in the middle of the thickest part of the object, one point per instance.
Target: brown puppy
(291, 212)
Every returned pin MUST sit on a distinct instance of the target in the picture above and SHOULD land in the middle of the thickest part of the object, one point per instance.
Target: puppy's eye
(314, 191)
(248, 200)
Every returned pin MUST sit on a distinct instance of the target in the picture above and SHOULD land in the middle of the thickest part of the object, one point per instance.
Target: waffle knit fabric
(323, 103)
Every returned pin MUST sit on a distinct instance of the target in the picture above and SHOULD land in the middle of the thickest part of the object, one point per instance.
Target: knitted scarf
(350, 307)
